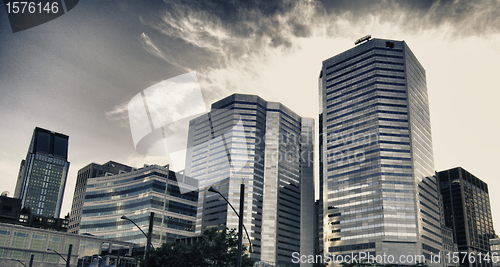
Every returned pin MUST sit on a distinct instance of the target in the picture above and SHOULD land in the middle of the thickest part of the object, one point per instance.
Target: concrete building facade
(268, 148)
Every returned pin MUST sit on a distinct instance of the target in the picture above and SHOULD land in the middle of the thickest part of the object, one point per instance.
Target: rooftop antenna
(362, 39)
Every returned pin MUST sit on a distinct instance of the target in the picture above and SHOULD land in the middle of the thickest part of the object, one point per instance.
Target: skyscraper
(267, 147)
(467, 212)
(90, 171)
(378, 190)
(135, 194)
(42, 175)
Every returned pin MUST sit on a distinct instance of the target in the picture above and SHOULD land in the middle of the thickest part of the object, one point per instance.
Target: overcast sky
(76, 74)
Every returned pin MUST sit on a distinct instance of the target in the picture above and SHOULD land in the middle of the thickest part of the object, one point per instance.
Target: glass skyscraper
(467, 212)
(42, 175)
(269, 148)
(378, 190)
(136, 194)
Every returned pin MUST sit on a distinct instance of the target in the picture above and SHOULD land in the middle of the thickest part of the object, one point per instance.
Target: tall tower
(467, 212)
(269, 148)
(42, 175)
(377, 185)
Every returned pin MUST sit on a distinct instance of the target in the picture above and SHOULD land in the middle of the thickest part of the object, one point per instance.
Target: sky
(76, 74)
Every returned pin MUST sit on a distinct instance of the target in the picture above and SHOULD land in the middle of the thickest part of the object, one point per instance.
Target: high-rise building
(378, 188)
(269, 148)
(467, 212)
(42, 175)
(136, 194)
(90, 171)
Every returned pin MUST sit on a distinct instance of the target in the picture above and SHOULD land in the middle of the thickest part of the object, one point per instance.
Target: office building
(136, 194)
(268, 148)
(495, 251)
(466, 204)
(378, 188)
(20, 242)
(42, 175)
(449, 245)
(90, 171)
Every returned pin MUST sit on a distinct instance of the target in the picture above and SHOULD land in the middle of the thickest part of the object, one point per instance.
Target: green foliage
(218, 249)
(317, 264)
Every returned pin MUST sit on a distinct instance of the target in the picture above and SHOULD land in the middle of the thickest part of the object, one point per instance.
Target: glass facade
(377, 182)
(467, 212)
(267, 147)
(42, 175)
(90, 171)
(136, 194)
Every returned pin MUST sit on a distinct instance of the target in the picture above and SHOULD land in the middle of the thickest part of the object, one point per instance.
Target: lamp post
(148, 236)
(240, 222)
(69, 254)
(18, 261)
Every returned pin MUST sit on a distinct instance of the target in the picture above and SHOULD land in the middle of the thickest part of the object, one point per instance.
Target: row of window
(367, 64)
(370, 51)
(369, 176)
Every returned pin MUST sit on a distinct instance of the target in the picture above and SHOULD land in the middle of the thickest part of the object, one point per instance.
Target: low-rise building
(20, 242)
(11, 212)
(136, 194)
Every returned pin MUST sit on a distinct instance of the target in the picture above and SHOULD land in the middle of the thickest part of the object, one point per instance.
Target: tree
(217, 249)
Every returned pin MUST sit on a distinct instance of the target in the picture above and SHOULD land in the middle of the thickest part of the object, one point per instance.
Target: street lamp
(69, 254)
(148, 236)
(240, 223)
(19, 262)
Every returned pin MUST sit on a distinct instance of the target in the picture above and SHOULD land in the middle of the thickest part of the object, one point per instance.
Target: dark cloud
(208, 35)
(233, 12)
(225, 30)
(464, 17)
(254, 25)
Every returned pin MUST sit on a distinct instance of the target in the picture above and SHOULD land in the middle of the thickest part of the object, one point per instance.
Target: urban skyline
(445, 41)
